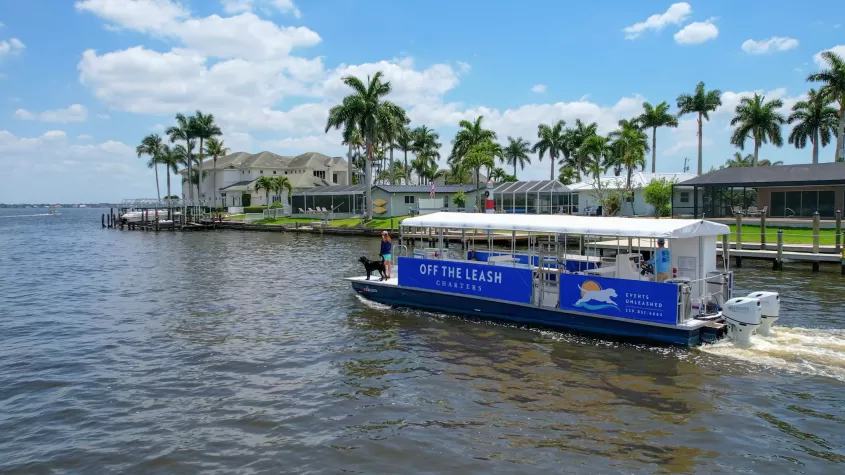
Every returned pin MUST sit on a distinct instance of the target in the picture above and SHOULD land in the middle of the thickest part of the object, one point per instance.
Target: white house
(588, 196)
(236, 173)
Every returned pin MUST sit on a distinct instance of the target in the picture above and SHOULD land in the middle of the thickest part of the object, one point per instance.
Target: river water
(240, 352)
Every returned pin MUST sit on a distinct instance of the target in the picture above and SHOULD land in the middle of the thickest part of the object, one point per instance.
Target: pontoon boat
(599, 284)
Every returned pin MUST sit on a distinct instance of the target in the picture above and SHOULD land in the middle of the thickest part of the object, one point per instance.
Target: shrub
(658, 193)
(460, 199)
(612, 204)
(277, 204)
(254, 209)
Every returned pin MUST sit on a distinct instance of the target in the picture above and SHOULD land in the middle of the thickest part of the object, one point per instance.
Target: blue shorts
(387, 257)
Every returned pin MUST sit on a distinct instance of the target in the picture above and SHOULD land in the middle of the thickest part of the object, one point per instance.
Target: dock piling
(838, 231)
(738, 234)
(816, 228)
(763, 232)
(103, 220)
(726, 249)
(779, 259)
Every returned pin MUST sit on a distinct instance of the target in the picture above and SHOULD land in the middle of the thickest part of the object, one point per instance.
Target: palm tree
(654, 117)
(553, 140)
(567, 175)
(152, 145)
(205, 129)
(759, 120)
(366, 109)
(498, 175)
(816, 122)
(184, 130)
(281, 183)
(576, 138)
(405, 143)
(834, 91)
(170, 160)
(596, 151)
(702, 102)
(766, 163)
(193, 180)
(186, 159)
(267, 184)
(215, 149)
(516, 153)
(395, 172)
(631, 145)
(469, 135)
(738, 161)
(480, 155)
(427, 148)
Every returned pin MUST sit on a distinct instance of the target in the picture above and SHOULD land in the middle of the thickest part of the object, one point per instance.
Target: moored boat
(595, 291)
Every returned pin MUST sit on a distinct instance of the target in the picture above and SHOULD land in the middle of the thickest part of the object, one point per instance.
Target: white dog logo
(600, 295)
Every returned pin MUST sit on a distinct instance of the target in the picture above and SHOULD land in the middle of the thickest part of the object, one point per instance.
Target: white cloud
(150, 16)
(11, 46)
(84, 137)
(73, 113)
(463, 67)
(238, 142)
(103, 116)
(677, 13)
(238, 6)
(242, 36)
(539, 88)
(696, 33)
(769, 45)
(23, 114)
(838, 49)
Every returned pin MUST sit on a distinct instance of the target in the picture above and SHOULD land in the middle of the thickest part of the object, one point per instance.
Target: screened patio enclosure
(338, 200)
(782, 191)
(535, 197)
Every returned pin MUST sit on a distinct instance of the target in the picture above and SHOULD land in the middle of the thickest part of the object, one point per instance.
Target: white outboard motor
(770, 308)
(743, 315)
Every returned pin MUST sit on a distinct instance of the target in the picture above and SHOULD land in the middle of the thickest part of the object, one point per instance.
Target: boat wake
(26, 215)
(811, 351)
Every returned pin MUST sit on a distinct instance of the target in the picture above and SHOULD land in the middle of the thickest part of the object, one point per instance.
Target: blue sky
(81, 82)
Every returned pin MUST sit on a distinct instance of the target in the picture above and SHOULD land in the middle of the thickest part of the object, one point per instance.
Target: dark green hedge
(254, 209)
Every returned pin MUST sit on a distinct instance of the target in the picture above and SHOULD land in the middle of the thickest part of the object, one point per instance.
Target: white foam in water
(372, 304)
(819, 352)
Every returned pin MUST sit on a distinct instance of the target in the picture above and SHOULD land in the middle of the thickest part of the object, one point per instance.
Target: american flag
(432, 191)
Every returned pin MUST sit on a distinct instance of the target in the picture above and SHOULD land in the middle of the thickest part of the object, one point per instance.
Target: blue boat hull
(522, 314)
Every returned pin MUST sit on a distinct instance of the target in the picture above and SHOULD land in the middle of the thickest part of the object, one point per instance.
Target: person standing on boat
(661, 260)
(385, 252)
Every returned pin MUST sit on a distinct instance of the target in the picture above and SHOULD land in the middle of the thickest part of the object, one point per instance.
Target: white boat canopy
(567, 224)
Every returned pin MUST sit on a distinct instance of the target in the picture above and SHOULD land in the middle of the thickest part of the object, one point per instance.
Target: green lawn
(790, 235)
(376, 223)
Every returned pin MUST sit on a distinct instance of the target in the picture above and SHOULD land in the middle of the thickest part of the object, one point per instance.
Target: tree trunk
(840, 134)
(190, 173)
(407, 172)
(368, 178)
(349, 165)
(552, 171)
(214, 182)
(169, 214)
(514, 167)
(158, 189)
(756, 151)
(392, 169)
(816, 147)
(699, 145)
(199, 186)
(653, 150)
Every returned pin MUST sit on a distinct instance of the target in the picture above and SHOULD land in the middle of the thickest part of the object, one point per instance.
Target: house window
(446, 202)
(286, 172)
(262, 172)
(334, 177)
(685, 197)
(410, 199)
(320, 174)
(274, 172)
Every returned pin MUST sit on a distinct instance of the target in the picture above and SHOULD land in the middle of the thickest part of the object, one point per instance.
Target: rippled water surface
(224, 352)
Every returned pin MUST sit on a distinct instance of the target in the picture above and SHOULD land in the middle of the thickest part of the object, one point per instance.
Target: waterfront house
(782, 191)
(388, 200)
(236, 173)
(588, 199)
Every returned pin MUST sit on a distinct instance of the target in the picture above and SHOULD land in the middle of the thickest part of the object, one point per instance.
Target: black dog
(372, 266)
